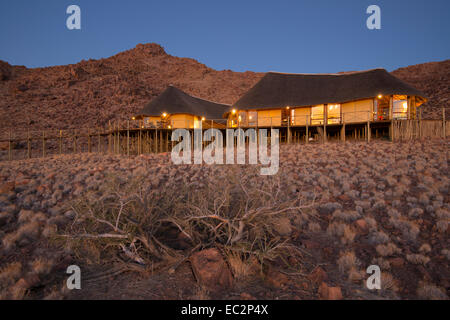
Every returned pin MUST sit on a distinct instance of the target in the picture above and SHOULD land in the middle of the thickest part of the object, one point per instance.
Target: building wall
(357, 111)
(267, 118)
(183, 121)
(301, 116)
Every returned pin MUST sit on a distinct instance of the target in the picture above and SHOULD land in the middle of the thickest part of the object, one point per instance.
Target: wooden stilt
(128, 138)
(444, 135)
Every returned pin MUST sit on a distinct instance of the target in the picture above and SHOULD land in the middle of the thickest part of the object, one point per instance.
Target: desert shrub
(239, 210)
(347, 261)
(442, 214)
(388, 282)
(378, 237)
(346, 216)
(371, 223)
(393, 213)
(446, 253)
(431, 292)
(27, 232)
(417, 259)
(442, 225)
(415, 212)
(314, 227)
(382, 263)
(409, 229)
(41, 266)
(336, 229)
(425, 248)
(389, 249)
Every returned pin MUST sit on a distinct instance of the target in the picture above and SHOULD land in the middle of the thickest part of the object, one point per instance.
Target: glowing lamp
(233, 111)
(380, 96)
(203, 119)
(164, 115)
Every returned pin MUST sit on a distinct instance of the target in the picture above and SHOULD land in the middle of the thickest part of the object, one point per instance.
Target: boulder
(211, 270)
(329, 293)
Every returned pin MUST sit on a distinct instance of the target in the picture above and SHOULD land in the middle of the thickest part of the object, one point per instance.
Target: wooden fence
(132, 138)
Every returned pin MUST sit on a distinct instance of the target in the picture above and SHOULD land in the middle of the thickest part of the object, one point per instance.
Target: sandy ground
(375, 203)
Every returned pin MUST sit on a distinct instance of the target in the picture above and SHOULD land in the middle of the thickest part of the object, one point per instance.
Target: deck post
(118, 137)
(368, 127)
(167, 140)
(392, 130)
(443, 123)
(160, 141)
(289, 130)
(325, 120)
(156, 140)
(343, 128)
(128, 138)
(307, 130)
(420, 123)
(109, 136)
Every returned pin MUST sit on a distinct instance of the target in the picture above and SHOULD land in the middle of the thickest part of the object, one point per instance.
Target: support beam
(443, 124)
(307, 130)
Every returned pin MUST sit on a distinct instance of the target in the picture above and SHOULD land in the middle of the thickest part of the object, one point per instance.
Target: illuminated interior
(317, 114)
(334, 113)
(400, 107)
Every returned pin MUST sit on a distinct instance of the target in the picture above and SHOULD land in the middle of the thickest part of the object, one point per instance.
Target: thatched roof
(277, 90)
(173, 101)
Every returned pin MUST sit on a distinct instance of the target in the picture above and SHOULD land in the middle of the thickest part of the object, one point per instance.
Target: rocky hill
(91, 93)
(433, 79)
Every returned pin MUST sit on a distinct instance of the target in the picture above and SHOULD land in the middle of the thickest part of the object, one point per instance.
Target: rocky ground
(362, 204)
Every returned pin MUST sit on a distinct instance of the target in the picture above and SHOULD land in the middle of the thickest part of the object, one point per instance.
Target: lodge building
(307, 105)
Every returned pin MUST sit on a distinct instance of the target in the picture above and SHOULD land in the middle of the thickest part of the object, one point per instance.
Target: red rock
(310, 244)
(247, 296)
(7, 187)
(317, 276)
(210, 269)
(344, 197)
(22, 182)
(330, 293)
(361, 226)
(397, 262)
(276, 279)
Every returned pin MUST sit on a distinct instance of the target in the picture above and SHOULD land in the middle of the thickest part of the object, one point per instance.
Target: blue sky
(310, 36)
